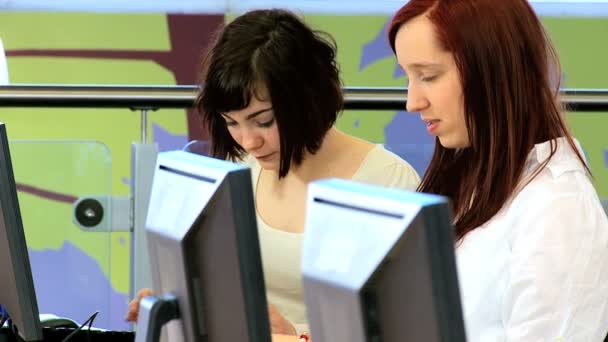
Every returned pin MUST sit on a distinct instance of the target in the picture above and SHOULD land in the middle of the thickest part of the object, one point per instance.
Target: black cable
(13, 327)
(89, 320)
(3, 316)
(3, 319)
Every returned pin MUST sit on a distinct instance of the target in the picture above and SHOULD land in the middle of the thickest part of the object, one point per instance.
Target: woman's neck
(338, 150)
(315, 165)
(320, 164)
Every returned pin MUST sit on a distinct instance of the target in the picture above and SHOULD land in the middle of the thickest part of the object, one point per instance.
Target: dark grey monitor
(378, 265)
(204, 253)
(17, 292)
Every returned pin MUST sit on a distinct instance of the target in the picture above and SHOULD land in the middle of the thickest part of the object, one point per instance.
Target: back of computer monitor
(378, 265)
(17, 293)
(203, 244)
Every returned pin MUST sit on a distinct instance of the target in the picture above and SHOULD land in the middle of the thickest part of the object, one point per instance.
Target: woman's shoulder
(383, 167)
(561, 176)
(568, 197)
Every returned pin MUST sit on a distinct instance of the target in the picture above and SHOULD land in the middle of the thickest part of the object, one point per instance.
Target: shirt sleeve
(397, 174)
(558, 266)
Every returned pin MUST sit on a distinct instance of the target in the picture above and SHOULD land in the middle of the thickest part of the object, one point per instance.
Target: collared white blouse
(538, 270)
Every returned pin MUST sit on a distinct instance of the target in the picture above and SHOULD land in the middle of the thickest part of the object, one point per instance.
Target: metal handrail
(156, 97)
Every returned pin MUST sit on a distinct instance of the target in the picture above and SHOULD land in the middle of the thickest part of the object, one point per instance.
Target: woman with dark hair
(532, 238)
(270, 98)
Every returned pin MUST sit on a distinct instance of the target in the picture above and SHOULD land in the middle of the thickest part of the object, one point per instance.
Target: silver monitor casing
(378, 265)
(203, 244)
(17, 292)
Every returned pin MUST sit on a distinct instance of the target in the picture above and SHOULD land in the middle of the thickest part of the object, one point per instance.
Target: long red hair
(510, 77)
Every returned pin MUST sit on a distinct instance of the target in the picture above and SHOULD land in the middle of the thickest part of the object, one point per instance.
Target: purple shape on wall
(398, 72)
(70, 283)
(407, 137)
(406, 134)
(606, 157)
(378, 49)
(167, 141)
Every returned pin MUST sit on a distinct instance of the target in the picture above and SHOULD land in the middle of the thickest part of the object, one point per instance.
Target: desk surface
(58, 334)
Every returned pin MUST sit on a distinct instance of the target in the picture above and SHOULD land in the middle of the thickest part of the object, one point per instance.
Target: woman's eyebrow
(249, 116)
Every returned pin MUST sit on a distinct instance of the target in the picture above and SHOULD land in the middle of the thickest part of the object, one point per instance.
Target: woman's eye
(266, 124)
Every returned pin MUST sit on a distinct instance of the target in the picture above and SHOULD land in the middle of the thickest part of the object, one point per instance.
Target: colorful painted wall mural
(62, 154)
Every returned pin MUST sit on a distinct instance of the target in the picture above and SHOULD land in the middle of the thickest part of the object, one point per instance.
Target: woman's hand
(284, 338)
(280, 327)
(278, 324)
(133, 310)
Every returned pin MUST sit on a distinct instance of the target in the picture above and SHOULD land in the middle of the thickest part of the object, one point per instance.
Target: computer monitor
(378, 265)
(204, 253)
(17, 294)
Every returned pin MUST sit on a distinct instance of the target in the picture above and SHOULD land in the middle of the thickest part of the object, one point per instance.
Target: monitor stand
(154, 313)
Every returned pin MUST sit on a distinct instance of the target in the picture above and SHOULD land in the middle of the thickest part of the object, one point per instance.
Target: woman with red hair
(531, 235)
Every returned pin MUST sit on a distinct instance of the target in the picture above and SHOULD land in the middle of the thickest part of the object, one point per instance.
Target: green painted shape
(351, 33)
(579, 42)
(61, 30)
(582, 44)
(69, 168)
(368, 125)
(52, 70)
(116, 128)
(590, 130)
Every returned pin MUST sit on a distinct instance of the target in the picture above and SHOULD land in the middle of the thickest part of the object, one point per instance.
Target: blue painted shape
(167, 141)
(70, 283)
(406, 136)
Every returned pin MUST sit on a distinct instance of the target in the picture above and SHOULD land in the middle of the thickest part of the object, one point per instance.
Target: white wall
(593, 8)
(3, 66)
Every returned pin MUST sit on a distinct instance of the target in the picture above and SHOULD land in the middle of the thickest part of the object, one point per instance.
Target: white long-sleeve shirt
(538, 270)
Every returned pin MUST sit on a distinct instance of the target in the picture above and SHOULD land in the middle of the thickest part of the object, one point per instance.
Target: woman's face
(434, 88)
(255, 129)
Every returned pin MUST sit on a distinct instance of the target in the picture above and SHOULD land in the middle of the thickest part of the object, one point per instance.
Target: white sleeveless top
(281, 250)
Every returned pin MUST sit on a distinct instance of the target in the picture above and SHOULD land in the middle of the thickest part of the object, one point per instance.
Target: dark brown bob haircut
(272, 53)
